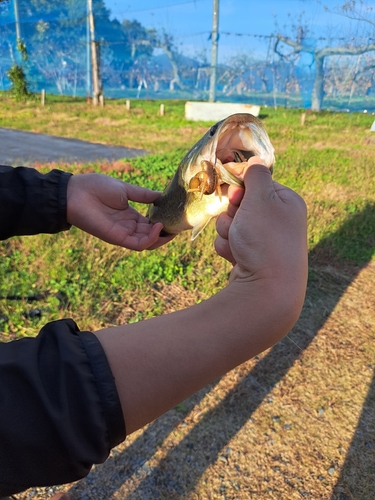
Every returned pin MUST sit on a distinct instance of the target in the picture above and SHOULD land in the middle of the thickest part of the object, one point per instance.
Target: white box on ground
(372, 129)
(216, 111)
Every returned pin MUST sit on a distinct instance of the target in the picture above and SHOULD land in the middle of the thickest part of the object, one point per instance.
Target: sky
(243, 24)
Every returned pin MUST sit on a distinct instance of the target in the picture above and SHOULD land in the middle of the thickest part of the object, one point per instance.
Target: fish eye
(213, 129)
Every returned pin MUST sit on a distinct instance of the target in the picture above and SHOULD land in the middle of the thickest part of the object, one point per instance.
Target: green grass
(330, 161)
(327, 161)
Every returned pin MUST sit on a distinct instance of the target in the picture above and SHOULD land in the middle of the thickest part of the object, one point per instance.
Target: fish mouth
(235, 141)
(198, 191)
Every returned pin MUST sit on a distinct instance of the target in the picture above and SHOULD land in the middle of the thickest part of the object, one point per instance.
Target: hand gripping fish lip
(197, 193)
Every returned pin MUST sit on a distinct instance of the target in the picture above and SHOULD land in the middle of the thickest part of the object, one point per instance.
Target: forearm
(160, 362)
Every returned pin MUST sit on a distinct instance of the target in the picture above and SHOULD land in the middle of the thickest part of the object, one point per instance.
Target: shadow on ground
(361, 456)
(201, 445)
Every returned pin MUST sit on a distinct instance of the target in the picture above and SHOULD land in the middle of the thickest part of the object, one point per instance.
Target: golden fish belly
(210, 206)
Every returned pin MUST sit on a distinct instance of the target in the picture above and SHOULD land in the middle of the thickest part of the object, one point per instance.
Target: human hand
(263, 232)
(99, 205)
(264, 235)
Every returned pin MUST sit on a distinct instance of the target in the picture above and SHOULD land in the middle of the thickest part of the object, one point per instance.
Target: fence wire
(139, 62)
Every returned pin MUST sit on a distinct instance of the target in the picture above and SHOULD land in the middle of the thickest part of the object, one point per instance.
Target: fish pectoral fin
(198, 228)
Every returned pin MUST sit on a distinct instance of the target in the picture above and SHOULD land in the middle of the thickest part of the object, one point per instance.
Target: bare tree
(319, 56)
(357, 11)
(235, 77)
(166, 43)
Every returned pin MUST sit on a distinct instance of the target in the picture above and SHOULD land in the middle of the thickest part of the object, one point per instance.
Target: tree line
(55, 35)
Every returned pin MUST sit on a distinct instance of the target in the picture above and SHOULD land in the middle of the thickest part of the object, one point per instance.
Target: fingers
(143, 237)
(223, 249)
(258, 184)
(161, 240)
(263, 232)
(106, 213)
(223, 223)
(147, 241)
(235, 196)
(257, 168)
(157, 240)
(258, 179)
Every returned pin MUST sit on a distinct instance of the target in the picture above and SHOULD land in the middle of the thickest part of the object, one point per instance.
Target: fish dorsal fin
(198, 228)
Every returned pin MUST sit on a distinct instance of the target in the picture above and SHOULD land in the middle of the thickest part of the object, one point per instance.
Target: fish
(197, 193)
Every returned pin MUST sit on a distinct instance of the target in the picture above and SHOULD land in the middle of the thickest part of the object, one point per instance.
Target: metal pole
(17, 18)
(214, 51)
(88, 56)
(94, 58)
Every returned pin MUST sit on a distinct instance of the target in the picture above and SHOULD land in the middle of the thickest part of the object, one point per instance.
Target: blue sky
(190, 21)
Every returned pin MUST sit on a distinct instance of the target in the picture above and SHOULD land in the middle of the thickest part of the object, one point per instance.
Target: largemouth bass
(197, 192)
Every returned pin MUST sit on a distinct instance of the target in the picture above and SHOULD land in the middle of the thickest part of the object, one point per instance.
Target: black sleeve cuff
(31, 202)
(60, 411)
(105, 385)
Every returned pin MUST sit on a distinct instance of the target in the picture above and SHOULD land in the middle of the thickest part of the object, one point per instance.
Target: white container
(216, 111)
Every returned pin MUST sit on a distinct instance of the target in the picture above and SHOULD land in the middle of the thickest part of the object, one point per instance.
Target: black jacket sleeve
(31, 202)
(59, 408)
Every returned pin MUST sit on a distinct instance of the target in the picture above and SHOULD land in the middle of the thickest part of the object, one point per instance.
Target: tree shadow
(357, 477)
(123, 465)
(203, 444)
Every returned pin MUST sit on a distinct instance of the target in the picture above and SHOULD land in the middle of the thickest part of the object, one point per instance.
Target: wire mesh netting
(294, 69)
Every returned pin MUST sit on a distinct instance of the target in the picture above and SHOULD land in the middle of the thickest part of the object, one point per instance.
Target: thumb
(258, 181)
(140, 194)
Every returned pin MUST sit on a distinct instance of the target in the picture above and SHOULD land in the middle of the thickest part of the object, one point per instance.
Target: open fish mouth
(196, 194)
(236, 140)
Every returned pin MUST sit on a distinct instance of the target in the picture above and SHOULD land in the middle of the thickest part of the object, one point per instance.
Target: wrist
(63, 200)
(72, 200)
(69, 189)
(275, 301)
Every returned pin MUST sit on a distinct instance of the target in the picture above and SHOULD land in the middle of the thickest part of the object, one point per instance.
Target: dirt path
(27, 148)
